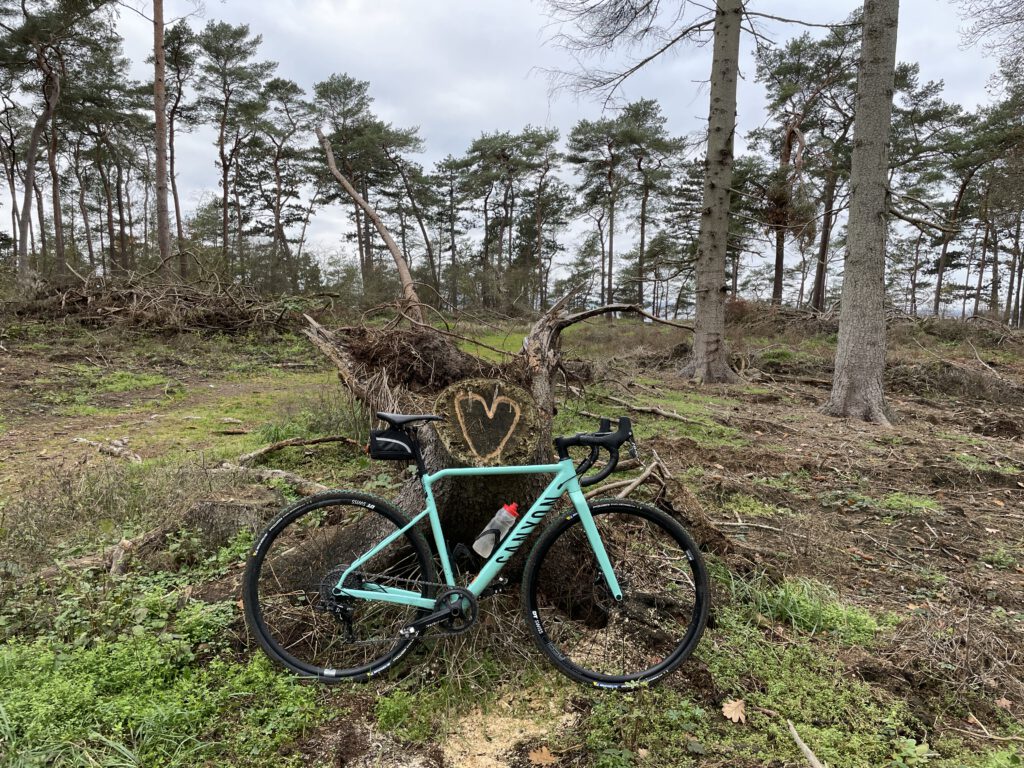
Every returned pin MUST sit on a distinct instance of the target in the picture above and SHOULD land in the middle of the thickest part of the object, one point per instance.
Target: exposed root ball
(415, 358)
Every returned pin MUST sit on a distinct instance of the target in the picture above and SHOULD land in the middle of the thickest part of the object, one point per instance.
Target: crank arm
(427, 621)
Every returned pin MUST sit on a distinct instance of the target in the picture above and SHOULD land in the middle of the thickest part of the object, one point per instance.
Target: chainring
(466, 610)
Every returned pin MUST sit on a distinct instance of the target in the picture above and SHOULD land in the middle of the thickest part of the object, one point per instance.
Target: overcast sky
(457, 68)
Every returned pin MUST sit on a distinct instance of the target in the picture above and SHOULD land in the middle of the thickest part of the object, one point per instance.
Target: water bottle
(495, 530)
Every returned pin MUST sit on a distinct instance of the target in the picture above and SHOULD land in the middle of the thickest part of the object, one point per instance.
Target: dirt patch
(488, 738)
(347, 742)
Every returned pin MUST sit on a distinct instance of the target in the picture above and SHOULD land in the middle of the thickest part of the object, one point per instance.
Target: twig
(988, 735)
(651, 409)
(249, 457)
(811, 757)
(742, 524)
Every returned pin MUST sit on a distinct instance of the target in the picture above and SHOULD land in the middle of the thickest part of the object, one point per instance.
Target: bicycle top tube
(525, 469)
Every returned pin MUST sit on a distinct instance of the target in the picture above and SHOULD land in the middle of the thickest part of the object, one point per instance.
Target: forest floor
(874, 597)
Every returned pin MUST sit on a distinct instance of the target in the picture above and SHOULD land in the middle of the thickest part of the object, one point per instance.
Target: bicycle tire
(576, 622)
(286, 590)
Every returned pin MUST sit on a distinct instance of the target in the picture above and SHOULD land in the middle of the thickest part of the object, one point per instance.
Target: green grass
(976, 464)
(909, 503)
(747, 506)
(809, 606)
(142, 700)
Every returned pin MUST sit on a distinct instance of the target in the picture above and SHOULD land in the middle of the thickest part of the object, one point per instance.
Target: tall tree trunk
(1016, 318)
(122, 237)
(84, 210)
(454, 295)
(981, 270)
(641, 246)
(993, 303)
(408, 288)
(163, 224)
(1014, 287)
(821, 267)
(41, 215)
(111, 250)
(15, 216)
(610, 296)
(710, 360)
(915, 270)
(857, 387)
(418, 215)
(61, 271)
(947, 237)
(51, 94)
(172, 178)
(782, 226)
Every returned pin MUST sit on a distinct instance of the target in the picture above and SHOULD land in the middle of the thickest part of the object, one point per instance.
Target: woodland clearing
(870, 591)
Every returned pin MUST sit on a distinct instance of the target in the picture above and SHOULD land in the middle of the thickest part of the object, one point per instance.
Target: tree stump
(488, 422)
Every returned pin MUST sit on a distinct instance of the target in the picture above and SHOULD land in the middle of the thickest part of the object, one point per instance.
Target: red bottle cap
(512, 509)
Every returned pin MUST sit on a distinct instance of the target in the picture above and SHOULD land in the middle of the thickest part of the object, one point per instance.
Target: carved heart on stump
(486, 428)
(489, 422)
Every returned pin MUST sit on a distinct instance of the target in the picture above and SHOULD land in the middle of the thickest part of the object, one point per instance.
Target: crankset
(455, 610)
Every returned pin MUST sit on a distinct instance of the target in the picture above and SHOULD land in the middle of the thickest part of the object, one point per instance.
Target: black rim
(287, 589)
(664, 579)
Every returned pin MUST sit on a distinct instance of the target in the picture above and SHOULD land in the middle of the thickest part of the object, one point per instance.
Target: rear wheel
(580, 626)
(290, 591)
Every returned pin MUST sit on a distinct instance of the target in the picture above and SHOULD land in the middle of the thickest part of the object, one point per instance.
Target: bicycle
(341, 585)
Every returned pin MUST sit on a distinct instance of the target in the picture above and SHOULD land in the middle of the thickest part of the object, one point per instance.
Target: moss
(999, 558)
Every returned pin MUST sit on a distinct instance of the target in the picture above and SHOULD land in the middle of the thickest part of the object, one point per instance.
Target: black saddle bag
(391, 445)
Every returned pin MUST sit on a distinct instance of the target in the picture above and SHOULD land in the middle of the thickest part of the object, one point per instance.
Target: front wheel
(293, 603)
(579, 625)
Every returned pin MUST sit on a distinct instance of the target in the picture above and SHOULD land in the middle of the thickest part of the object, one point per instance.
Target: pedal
(498, 585)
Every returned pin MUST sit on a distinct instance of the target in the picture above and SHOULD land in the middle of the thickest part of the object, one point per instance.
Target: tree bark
(710, 360)
(61, 271)
(821, 267)
(51, 94)
(947, 237)
(857, 387)
(163, 224)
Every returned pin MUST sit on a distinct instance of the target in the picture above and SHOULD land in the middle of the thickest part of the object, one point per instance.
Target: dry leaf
(999, 502)
(642, 753)
(1004, 703)
(974, 721)
(735, 710)
(542, 756)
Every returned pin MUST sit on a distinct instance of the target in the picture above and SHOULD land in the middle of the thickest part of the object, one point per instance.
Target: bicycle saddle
(400, 420)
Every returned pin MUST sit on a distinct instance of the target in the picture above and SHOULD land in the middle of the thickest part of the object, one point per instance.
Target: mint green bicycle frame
(564, 480)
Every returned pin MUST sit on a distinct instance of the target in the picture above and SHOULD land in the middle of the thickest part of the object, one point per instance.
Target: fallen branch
(252, 456)
(117, 448)
(656, 472)
(653, 410)
(301, 485)
(811, 758)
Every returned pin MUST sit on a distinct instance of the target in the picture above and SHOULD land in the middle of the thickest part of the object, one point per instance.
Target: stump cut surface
(489, 422)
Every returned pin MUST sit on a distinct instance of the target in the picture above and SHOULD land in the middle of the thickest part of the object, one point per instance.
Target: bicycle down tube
(564, 481)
